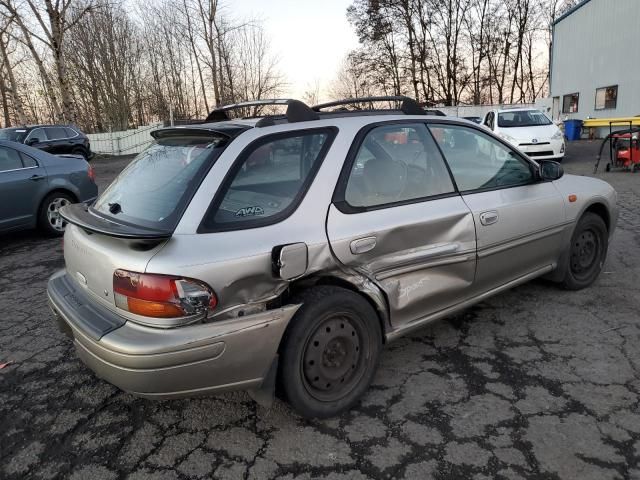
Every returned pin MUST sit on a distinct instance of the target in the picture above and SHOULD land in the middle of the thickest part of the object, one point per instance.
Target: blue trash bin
(572, 129)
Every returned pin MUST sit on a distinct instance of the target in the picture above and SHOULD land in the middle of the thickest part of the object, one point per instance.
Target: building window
(606, 97)
(570, 103)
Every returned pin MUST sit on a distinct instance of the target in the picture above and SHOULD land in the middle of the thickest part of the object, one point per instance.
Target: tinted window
(269, 179)
(396, 163)
(70, 132)
(13, 134)
(38, 133)
(9, 159)
(522, 118)
(27, 161)
(155, 187)
(56, 133)
(478, 161)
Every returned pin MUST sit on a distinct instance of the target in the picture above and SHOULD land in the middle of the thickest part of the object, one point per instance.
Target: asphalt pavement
(536, 383)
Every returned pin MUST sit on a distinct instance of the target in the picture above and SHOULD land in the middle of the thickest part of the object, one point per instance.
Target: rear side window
(9, 159)
(70, 132)
(268, 180)
(27, 161)
(397, 163)
(156, 186)
(56, 133)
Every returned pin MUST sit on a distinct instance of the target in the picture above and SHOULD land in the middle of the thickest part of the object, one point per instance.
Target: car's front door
(37, 138)
(22, 181)
(519, 219)
(397, 219)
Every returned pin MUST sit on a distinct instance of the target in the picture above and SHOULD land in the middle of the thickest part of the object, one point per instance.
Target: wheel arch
(600, 209)
(360, 286)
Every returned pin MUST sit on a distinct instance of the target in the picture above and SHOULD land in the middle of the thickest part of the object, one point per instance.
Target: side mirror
(550, 170)
(289, 261)
(33, 141)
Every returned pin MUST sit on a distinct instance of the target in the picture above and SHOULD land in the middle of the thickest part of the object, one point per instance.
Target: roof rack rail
(408, 106)
(297, 111)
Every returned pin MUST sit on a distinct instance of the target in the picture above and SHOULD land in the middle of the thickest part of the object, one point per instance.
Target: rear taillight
(92, 173)
(161, 296)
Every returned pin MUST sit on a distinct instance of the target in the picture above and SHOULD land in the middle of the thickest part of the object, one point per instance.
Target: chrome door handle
(35, 178)
(488, 218)
(363, 245)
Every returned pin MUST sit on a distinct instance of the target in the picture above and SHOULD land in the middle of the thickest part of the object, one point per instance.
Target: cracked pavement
(536, 383)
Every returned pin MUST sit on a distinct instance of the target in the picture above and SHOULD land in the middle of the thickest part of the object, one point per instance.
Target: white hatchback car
(529, 130)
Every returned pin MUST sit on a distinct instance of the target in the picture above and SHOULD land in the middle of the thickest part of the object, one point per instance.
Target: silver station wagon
(286, 250)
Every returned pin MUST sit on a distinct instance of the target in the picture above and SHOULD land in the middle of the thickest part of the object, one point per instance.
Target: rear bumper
(168, 363)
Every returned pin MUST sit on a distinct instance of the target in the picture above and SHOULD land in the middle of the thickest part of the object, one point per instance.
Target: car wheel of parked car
(80, 151)
(49, 219)
(330, 351)
(587, 253)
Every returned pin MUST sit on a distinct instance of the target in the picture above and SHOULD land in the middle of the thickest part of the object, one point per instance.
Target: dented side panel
(423, 258)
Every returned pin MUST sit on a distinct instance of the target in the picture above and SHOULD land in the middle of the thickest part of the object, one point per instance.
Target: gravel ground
(534, 383)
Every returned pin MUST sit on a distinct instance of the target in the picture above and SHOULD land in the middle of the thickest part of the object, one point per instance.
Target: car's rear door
(519, 219)
(59, 140)
(22, 185)
(397, 218)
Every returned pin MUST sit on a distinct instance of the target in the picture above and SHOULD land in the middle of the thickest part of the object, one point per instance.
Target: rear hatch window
(156, 187)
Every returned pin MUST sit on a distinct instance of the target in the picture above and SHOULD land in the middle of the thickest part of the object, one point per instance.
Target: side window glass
(271, 179)
(38, 134)
(56, 133)
(27, 161)
(70, 132)
(478, 161)
(397, 163)
(9, 159)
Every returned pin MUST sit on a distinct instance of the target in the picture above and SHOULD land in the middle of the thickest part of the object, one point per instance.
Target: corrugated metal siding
(596, 46)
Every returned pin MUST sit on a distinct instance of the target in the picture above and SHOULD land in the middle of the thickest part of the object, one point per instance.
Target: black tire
(49, 221)
(329, 352)
(80, 151)
(587, 252)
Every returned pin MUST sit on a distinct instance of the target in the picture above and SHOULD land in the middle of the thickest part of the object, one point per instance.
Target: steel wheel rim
(333, 359)
(585, 253)
(53, 213)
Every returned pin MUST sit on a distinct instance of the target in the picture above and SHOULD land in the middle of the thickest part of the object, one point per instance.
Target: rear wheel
(587, 252)
(330, 352)
(49, 219)
(80, 151)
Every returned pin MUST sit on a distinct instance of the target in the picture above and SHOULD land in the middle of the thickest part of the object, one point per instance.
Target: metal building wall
(598, 45)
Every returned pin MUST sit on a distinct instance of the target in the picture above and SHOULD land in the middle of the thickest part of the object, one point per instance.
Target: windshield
(157, 185)
(13, 134)
(523, 118)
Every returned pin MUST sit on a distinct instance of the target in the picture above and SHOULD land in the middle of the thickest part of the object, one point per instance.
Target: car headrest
(384, 177)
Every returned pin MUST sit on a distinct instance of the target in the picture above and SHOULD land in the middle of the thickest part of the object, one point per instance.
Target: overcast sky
(309, 37)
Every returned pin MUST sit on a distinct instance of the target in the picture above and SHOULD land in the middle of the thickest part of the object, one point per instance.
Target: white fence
(123, 143)
(478, 110)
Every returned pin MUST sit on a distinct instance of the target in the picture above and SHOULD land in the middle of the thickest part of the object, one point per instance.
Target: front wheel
(587, 252)
(330, 352)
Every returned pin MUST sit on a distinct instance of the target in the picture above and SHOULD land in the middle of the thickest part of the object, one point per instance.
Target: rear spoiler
(79, 214)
